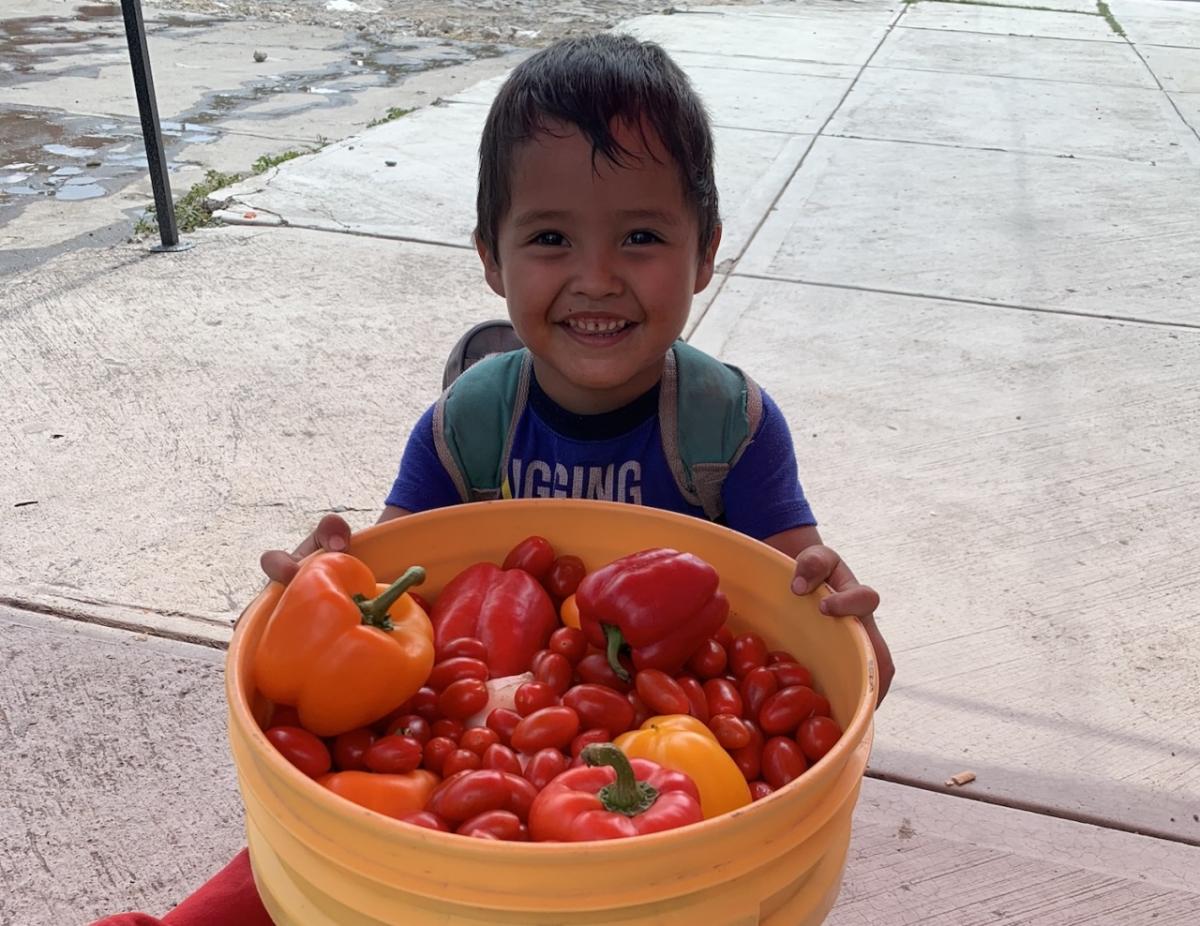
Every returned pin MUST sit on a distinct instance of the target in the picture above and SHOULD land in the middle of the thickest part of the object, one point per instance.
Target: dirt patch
(530, 23)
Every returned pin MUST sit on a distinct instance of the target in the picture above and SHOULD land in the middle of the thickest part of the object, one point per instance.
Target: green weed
(393, 113)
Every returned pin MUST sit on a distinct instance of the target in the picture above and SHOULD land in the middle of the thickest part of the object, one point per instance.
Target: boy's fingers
(813, 566)
(333, 534)
(279, 566)
(857, 601)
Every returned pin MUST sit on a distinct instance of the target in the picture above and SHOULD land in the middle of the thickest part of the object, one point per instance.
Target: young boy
(597, 222)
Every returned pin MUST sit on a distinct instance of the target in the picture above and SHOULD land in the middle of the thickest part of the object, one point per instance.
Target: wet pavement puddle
(46, 152)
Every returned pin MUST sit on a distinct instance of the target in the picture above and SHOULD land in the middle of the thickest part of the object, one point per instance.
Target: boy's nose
(595, 277)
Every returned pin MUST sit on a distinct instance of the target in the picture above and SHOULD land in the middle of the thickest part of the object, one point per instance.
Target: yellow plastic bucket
(321, 861)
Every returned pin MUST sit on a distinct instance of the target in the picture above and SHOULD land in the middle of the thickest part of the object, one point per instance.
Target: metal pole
(156, 156)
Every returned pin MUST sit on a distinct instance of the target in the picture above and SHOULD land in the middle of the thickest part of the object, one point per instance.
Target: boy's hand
(850, 598)
(332, 534)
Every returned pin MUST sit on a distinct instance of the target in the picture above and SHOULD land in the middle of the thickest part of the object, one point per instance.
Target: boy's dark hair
(588, 82)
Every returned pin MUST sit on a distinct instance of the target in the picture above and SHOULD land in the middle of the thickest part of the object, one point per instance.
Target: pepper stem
(375, 610)
(626, 795)
(612, 634)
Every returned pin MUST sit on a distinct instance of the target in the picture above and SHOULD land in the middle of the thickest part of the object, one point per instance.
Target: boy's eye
(642, 237)
(549, 239)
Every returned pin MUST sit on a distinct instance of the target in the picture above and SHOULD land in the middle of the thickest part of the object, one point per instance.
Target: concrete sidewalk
(973, 225)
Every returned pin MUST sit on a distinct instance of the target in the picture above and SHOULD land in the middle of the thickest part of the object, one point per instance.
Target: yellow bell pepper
(683, 743)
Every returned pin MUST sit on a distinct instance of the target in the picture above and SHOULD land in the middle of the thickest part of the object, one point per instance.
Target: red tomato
(302, 749)
(782, 761)
(503, 721)
(709, 660)
(447, 727)
(434, 754)
(501, 757)
(544, 766)
(749, 757)
(759, 790)
(413, 725)
(556, 671)
(478, 739)
(823, 709)
(459, 761)
(533, 554)
(598, 706)
(757, 685)
(349, 748)
(503, 825)
(724, 636)
(459, 700)
(394, 754)
(569, 642)
(533, 696)
(723, 697)
(425, 703)
(748, 651)
(783, 711)
(463, 795)
(431, 821)
(564, 577)
(593, 669)
(694, 692)
(730, 731)
(641, 713)
(469, 647)
(779, 655)
(817, 736)
(661, 693)
(284, 715)
(454, 668)
(383, 726)
(551, 727)
(587, 737)
(791, 673)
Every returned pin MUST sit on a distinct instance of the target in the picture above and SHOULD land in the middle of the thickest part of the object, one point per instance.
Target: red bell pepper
(662, 603)
(507, 609)
(612, 797)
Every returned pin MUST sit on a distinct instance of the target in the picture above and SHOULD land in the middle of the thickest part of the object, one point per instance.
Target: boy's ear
(707, 261)
(491, 268)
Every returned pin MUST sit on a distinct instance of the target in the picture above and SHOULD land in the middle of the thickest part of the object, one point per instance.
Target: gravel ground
(515, 22)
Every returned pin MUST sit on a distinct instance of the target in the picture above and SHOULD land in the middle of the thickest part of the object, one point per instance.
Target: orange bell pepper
(569, 612)
(342, 654)
(683, 743)
(392, 795)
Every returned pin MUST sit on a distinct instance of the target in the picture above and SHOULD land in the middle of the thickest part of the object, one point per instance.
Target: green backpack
(708, 413)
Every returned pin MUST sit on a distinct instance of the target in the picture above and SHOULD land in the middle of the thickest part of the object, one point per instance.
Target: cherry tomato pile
(457, 769)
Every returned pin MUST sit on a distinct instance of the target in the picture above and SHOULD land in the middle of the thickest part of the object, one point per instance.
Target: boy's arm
(817, 563)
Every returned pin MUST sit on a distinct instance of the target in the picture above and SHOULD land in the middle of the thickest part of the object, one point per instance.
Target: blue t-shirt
(617, 456)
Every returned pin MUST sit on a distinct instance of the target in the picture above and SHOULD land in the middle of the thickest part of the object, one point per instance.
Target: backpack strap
(708, 414)
(475, 421)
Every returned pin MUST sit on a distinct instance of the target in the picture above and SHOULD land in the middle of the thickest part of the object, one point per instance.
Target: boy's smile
(598, 264)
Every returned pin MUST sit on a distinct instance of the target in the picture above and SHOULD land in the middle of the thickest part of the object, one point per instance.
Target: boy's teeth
(596, 325)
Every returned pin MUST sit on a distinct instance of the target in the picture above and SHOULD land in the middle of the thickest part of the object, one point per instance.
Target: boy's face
(598, 265)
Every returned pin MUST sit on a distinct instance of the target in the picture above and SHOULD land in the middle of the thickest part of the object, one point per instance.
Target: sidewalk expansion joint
(1115, 40)
(1034, 807)
(467, 246)
(852, 83)
(962, 300)
(91, 618)
(1021, 152)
